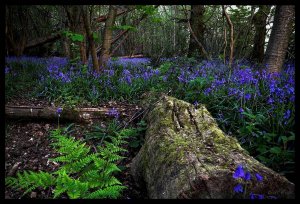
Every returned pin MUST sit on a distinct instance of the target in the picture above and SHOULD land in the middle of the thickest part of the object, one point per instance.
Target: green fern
(82, 174)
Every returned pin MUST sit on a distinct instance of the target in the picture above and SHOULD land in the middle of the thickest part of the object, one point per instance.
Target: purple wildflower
(247, 176)
(258, 177)
(252, 196)
(114, 112)
(7, 69)
(260, 196)
(287, 114)
(58, 111)
(238, 188)
(270, 101)
(239, 172)
(241, 110)
(247, 96)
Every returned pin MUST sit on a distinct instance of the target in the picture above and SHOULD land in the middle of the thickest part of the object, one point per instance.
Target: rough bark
(197, 30)
(186, 155)
(86, 17)
(259, 21)
(231, 35)
(107, 37)
(279, 39)
(82, 45)
(49, 113)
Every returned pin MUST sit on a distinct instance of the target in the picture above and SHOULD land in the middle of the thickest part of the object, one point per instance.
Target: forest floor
(27, 147)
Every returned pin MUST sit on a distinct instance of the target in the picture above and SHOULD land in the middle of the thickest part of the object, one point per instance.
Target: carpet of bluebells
(256, 107)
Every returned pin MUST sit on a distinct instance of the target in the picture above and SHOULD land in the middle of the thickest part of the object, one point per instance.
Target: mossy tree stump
(186, 155)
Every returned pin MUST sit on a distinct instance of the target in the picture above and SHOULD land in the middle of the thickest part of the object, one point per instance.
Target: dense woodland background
(201, 31)
(237, 60)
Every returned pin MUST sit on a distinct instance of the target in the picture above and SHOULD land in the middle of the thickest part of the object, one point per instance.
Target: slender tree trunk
(86, 17)
(107, 37)
(174, 27)
(82, 45)
(231, 35)
(197, 26)
(279, 39)
(259, 21)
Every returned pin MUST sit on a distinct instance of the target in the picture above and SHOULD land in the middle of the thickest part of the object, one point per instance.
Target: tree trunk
(259, 21)
(49, 113)
(197, 26)
(186, 155)
(66, 47)
(107, 37)
(82, 45)
(86, 17)
(231, 35)
(279, 39)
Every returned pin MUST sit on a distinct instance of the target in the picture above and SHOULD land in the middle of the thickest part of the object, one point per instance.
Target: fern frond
(109, 192)
(111, 168)
(77, 166)
(29, 181)
(81, 171)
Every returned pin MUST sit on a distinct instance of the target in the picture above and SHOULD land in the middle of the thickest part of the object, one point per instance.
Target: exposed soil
(27, 147)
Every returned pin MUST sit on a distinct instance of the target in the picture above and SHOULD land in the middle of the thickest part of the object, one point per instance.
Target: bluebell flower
(287, 114)
(58, 111)
(260, 196)
(270, 100)
(247, 96)
(258, 177)
(207, 91)
(239, 172)
(238, 188)
(247, 176)
(114, 112)
(7, 69)
(241, 110)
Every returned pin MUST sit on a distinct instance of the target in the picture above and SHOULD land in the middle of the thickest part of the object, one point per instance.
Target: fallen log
(186, 155)
(50, 113)
(133, 56)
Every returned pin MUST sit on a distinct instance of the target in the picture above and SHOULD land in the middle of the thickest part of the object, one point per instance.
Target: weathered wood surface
(50, 113)
(186, 155)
